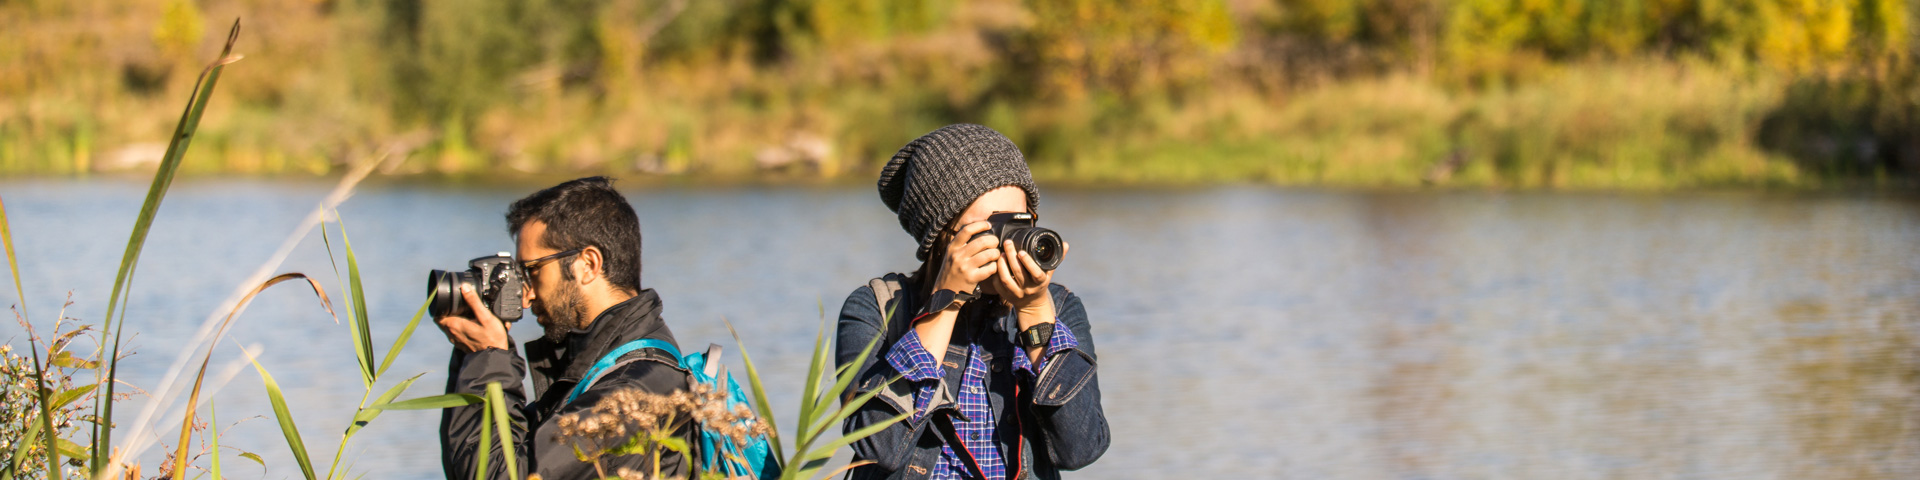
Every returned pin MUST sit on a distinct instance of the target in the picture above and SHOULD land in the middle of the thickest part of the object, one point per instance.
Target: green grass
(327, 88)
(49, 407)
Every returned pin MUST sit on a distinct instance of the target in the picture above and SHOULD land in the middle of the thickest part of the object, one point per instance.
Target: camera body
(1044, 245)
(494, 277)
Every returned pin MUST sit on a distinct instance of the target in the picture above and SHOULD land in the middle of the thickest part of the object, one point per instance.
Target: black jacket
(557, 367)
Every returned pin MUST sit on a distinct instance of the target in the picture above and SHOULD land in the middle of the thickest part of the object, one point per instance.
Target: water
(1243, 332)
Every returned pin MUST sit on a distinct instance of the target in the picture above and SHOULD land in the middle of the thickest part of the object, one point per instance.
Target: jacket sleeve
(860, 324)
(460, 426)
(1066, 394)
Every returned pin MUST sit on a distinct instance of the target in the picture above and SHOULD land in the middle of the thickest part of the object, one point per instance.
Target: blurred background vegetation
(1502, 93)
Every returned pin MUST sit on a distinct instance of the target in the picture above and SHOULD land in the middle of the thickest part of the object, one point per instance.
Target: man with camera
(995, 362)
(578, 256)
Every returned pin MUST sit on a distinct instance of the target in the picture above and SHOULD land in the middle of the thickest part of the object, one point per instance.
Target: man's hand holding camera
(481, 332)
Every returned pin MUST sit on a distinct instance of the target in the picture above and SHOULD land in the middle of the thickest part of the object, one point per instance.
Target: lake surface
(1243, 332)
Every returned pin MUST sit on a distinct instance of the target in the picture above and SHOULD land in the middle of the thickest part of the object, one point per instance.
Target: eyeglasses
(535, 264)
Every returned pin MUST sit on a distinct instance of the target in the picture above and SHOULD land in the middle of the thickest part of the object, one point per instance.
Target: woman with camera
(995, 363)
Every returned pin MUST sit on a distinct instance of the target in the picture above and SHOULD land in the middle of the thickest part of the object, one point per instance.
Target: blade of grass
(39, 370)
(109, 352)
(285, 417)
(435, 402)
(759, 392)
(846, 376)
(486, 438)
(847, 409)
(139, 439)
(193, 398)
(362, 337)
(497, 406)
(22, 446)
(826, 451)
(812, 385)
(850, 466)
(401, 341)
(43, 396)
(368, 414)
(63, 398)
(13, 266)
(213, 438)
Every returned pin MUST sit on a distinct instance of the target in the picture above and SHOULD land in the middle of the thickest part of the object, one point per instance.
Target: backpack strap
(611, 361)
(884, 289)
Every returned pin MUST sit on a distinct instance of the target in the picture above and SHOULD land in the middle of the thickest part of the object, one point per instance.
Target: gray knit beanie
(935, 177)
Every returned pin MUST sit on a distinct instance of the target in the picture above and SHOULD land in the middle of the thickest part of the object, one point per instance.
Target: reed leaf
(109, 352)
(45, 396)
(362, 337)
(826, 451)
(193, 398)
(812, 385)
(213, 439)
(853, 405)
(70, 395)
(13, 265)
(367, 414)
(435, 402)
(845, 374)
(759, 392)
(285, 417)
(39, 369)
(497, 408)
(20, 449)
(401, 341)
(486, 438)
(69, 360)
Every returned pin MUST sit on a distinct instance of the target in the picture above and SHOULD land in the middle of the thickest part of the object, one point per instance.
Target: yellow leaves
(1798, 35)
(180, 28)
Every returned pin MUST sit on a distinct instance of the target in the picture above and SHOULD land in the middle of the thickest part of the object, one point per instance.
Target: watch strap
(1036, 336)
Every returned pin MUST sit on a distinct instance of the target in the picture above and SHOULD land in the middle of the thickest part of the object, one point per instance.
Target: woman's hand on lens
(969, 260)
(482, 332)
(1023, 284)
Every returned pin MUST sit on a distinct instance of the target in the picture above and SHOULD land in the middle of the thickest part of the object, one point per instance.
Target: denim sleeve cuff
(1062, 341)
(909, 357)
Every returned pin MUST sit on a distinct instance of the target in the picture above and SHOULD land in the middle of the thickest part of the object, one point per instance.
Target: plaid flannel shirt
(976, 422)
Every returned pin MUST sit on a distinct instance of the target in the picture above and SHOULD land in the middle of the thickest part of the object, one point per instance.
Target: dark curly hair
(581, 213)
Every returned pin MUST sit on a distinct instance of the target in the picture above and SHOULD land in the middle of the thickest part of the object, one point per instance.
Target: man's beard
(563, 313)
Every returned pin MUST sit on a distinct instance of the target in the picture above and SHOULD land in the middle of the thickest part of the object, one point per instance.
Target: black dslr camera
(495, 278)
(1044, 245)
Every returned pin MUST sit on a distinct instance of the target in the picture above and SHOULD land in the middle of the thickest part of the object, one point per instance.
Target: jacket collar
(570, 358)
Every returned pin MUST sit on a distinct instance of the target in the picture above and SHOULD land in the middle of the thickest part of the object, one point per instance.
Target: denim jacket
(1061, 424)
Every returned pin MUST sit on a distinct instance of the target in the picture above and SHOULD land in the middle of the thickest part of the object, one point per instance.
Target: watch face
(1036, 335)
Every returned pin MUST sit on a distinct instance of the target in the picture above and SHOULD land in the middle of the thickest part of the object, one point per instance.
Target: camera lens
(1043, 244)
(1046, 251)
(444, 287)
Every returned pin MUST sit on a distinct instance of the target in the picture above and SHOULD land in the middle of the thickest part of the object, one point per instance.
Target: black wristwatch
(943, 298)
(1036, 336)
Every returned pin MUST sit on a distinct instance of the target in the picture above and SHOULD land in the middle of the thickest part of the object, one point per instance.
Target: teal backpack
(705, 369)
